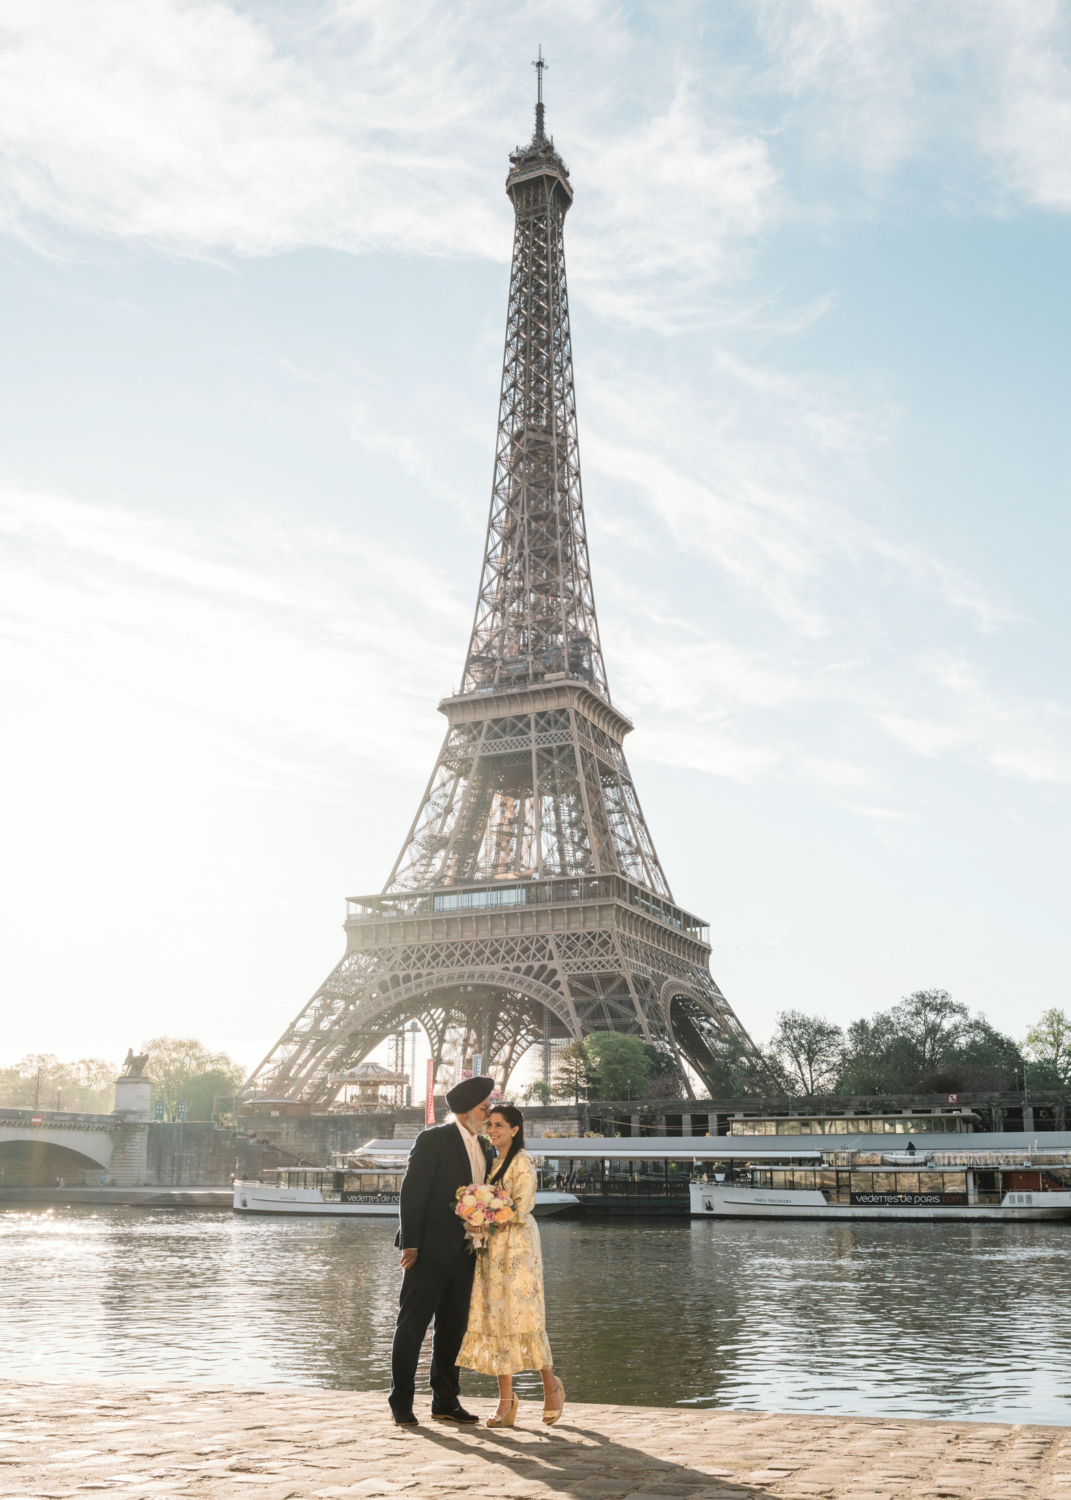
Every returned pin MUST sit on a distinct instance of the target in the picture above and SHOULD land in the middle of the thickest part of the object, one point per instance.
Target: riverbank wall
(279, 1443)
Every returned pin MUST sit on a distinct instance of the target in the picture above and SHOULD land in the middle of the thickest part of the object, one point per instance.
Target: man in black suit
(438, 1267)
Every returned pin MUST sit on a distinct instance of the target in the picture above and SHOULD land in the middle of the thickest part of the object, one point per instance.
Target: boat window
(955, 1182)
(907, 1182)
(883, 1182)
(931, 1182)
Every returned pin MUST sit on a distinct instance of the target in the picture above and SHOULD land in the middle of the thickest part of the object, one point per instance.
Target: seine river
(943, 1321)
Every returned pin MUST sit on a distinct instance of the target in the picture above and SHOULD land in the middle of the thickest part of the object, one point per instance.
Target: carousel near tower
(528, 902)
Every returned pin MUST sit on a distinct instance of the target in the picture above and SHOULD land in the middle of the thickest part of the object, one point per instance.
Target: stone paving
(282, 1443)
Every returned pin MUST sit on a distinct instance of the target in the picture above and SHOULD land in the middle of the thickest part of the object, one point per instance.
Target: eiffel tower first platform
(528, 901)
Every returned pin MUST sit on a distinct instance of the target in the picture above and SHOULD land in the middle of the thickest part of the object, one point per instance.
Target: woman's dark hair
(512, 1116)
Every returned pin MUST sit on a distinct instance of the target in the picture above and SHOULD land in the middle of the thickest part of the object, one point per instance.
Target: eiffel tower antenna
(539, 65)
(528, 902)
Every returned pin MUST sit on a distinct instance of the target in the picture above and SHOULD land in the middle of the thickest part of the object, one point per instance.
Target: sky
(255, 265)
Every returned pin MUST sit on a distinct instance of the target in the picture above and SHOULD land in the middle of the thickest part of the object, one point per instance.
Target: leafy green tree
(810, 1049)
(664, 1078)
(935, 1023)
(183, 1068)
(927, 1043)
(573, 1076)
(1048, 1046)
(538, 1092)
(619, 1065)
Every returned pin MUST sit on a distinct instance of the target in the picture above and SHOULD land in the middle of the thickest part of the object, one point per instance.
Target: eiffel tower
(527, 902)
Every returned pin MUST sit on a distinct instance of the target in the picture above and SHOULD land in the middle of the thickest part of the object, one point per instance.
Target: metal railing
(637, 1187)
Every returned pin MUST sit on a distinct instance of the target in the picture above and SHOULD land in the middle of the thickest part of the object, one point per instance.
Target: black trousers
(431, 1289)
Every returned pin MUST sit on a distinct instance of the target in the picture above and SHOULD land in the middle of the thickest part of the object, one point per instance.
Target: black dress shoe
(405, 1418)
(457, 1414)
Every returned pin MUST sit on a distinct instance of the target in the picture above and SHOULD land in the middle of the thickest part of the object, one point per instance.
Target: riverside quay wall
(41, 1148)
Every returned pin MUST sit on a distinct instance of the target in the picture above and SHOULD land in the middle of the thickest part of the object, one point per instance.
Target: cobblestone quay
(279, 1442)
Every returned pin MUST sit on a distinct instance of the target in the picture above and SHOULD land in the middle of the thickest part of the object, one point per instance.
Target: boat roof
(1019, 1144)
(637, 1148)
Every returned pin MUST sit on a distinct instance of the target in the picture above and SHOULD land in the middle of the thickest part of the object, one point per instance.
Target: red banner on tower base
(429, 1099)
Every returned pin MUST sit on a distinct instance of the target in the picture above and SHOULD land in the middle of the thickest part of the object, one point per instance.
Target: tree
(41, 1081)
(619, 1064)
(664, 1079)
(927, 1043)
(732, 1069)
(183, 1068)
(934, 1021)
(1048, 1046)
(810, 1048)
(538, 1091)
(572, 1076)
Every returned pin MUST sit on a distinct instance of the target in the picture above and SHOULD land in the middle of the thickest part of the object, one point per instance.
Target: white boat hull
(257, 1198)
(736, 1201)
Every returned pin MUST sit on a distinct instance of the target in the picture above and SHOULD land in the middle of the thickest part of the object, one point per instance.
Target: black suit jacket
(438, 1165)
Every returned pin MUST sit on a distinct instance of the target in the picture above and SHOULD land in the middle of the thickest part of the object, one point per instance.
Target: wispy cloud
(881, 83)
(680, 201)
(205, 130)
(768, 477)
(264, 645)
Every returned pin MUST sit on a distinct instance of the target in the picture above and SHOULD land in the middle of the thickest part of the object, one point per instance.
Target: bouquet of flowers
(483, 1210)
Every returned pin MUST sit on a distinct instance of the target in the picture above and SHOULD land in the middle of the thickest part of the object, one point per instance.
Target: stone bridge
(37, 1147)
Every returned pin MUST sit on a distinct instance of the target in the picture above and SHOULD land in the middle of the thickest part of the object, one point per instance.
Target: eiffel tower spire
(528, 901)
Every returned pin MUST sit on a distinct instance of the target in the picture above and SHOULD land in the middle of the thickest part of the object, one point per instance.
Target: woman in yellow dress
(507, 1329)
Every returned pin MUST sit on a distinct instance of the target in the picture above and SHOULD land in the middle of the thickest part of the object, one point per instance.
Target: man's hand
(408, 1259)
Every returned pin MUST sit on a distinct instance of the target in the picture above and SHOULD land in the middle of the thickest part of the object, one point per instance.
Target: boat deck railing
(636, 1188)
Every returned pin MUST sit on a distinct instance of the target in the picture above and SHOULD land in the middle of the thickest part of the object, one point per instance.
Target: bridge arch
(36, 1161)
(395, 989)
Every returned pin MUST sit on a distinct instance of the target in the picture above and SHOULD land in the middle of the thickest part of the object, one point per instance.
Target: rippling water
(918, 1320)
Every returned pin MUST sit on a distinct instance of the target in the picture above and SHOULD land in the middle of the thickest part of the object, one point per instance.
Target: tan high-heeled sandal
(552, 1413)
(508, 1418)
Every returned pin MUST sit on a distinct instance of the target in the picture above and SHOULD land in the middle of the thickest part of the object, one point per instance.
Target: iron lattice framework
(528, 901)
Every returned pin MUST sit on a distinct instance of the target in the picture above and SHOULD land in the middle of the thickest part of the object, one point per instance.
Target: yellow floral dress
(507, 1321)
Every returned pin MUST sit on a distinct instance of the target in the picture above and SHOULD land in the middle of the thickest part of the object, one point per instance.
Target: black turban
(468, 1093)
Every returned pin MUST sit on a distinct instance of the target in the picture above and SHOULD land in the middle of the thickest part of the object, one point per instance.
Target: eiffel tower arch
(528, 900)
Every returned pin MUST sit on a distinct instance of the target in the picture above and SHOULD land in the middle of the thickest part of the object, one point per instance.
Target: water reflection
(916, 1320)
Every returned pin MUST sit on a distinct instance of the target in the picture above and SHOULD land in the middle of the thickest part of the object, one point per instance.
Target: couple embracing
(487, 1307)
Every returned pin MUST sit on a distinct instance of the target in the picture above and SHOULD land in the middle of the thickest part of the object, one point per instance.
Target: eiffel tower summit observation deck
(528, 901)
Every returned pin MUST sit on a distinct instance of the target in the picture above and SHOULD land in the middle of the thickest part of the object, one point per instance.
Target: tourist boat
(1004, 1185)
(362, 1184)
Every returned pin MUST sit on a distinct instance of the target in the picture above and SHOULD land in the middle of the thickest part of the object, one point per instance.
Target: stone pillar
(133, 1097)
(1028, 1118)
(130, 1154)
(129, 1164)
